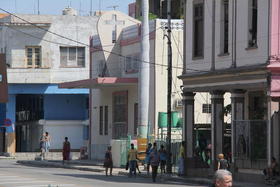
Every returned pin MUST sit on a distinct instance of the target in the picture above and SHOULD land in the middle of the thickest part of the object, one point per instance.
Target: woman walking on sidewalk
(66, 150)
(108, 162)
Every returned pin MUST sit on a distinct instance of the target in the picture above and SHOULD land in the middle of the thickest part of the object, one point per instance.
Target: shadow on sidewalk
(125, 179)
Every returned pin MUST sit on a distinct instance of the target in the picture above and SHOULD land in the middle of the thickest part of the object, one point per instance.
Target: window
(253, 23)
(198, 29)
(132, 63)
(206, 108)
(101, 120)
(224, 27)
(33, 56)
(106, 120)
(72, 56)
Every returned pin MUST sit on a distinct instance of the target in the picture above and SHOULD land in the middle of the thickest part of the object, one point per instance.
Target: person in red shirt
(66, 150)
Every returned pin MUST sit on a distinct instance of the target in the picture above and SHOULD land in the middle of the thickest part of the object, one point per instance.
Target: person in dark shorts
(222, 162)
(147, 158)
(108, 161)
(154, 161)
(273, 170)
(163, 158)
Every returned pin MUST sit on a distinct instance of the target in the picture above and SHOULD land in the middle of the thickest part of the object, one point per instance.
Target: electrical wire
(78, 42)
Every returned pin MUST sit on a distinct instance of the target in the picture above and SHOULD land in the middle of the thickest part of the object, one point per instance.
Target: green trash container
(162, 120)
(174, 119)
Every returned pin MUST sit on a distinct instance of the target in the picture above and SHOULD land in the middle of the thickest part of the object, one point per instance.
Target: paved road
(15, 175)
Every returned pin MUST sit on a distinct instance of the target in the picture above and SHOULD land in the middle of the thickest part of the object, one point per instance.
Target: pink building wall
(275, 28)
(274, 37)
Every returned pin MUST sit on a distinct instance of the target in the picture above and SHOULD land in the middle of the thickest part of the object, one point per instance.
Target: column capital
(217, 94)
(188, 95)
(238, 93)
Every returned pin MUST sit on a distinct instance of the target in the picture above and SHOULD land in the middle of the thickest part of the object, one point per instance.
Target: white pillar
(144, 72)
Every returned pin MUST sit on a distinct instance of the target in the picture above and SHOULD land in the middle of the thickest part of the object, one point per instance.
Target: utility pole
(90, 12)
(144, 78)
(38, 7)
(169, 88)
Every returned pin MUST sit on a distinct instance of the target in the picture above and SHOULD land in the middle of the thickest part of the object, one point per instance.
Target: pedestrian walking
(108, 161)
(66, 150)
(222, 162)
(222, 178)
(132, 158)
(163, 158)
(181, 159)
(147, 158)
(154, 161)
(47, 140)
(137, 167)
(42, 148)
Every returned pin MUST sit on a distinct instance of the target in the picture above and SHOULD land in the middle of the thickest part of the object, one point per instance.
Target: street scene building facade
(38, 61)
(115, 58)
(238, 54)
(115, 73)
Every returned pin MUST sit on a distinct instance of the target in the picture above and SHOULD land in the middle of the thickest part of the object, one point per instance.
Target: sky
(56, 6)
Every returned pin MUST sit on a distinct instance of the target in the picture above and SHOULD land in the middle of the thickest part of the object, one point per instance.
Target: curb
(48, 164)
(7, 158)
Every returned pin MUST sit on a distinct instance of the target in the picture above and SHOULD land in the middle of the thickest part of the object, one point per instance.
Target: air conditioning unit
(179, 103)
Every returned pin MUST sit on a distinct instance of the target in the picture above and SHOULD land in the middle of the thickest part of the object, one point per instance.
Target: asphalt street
(16, 175)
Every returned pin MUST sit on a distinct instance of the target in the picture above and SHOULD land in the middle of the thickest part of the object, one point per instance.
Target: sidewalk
(96, 166)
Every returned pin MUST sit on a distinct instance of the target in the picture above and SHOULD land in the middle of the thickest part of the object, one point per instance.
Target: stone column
(276, 132)
(237, 113)
(188, 99)
(217, 124)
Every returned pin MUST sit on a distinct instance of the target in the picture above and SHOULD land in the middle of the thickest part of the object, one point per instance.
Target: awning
(100, 82)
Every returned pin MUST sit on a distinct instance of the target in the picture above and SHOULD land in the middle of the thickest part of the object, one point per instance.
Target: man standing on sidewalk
(132, 159)
(154, 160)
(223, 178)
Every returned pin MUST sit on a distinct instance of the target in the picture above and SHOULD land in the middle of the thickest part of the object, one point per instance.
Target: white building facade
(228, 45)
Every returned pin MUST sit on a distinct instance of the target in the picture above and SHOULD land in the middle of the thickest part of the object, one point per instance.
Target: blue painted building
(36, 108)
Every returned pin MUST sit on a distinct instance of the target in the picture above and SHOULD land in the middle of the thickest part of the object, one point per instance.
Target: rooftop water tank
(69, 11)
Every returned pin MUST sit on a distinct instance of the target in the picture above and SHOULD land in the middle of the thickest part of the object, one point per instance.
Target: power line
(64, 37)
(86, 45)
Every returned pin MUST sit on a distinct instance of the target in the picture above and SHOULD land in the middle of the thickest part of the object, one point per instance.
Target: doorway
(120, 114)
